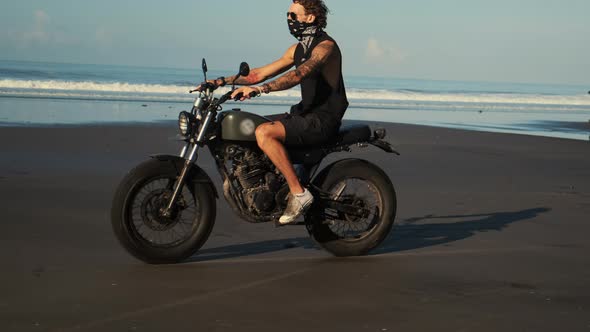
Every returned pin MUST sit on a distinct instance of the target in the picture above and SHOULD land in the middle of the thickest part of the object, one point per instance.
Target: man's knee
(262, 134)
(270, 131)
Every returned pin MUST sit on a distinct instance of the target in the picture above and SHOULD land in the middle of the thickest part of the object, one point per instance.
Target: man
(318, 69)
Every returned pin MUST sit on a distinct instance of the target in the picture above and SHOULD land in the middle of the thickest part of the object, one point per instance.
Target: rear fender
(321, 176)
(383, 145)
(196, 175)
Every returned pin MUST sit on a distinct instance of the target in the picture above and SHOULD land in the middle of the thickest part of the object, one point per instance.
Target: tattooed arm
(319, 56)
(261, 74)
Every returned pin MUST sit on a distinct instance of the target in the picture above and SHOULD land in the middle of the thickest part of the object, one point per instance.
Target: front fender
(196, 175)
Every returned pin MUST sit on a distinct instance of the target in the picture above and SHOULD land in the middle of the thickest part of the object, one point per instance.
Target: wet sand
(491, 235)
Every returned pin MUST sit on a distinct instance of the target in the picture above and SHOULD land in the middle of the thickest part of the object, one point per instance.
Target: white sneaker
(296, 206)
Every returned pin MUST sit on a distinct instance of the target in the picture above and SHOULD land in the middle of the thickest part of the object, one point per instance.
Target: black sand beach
(491, 235)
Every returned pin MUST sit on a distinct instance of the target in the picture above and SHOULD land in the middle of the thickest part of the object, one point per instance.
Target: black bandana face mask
(297, 28)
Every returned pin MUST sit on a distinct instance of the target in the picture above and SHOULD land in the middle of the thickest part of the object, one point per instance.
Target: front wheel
(139, 224)
(354, 209)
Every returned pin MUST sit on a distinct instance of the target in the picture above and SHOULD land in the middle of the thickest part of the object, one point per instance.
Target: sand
(491, 235)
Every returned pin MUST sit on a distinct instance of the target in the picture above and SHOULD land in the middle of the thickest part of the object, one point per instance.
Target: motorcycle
(164, 209)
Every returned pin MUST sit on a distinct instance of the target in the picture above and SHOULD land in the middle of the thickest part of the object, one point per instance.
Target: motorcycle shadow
(410, 234)
(252, 249)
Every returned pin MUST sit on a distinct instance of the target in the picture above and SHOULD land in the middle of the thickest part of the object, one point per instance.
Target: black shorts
(306, 129)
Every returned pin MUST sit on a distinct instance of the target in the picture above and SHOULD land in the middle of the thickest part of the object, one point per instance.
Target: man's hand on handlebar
(212, 84)
(245, 92)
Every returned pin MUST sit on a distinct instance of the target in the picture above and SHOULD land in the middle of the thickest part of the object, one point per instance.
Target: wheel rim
(359, 193)
(150, 227)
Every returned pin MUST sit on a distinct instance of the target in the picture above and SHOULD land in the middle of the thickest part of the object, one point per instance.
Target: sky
(532, 41)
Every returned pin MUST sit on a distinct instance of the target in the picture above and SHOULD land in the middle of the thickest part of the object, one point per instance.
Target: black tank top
(328, 101)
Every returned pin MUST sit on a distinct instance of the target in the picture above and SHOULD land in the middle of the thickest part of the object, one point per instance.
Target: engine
(258, 178)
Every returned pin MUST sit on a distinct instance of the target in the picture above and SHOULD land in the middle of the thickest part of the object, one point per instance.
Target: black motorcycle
(164, 209)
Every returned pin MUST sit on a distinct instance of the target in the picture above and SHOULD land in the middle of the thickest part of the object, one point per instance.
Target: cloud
(104, 37)
(38, 33)
(374, 50)
(41, 17)
(378, 52)
(43, 33)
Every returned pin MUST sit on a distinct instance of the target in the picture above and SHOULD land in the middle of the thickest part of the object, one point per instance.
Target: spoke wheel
(360, 194)
(354, 183)
(149, 223)
(137, 213)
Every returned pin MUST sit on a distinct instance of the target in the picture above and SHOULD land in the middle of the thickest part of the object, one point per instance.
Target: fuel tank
(240, 126)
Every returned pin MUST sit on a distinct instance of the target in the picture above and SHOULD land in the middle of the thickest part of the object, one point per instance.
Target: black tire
(129, 219)
(323, 226)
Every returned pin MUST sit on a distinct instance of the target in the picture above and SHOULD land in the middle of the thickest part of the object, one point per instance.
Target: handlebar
(204, 86)
(227, 96)
(209, 86)
(240, 95)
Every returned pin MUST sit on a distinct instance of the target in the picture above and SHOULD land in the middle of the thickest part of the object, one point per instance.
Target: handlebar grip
(204, 86)
(225, 97)
(208, 85)
(238, 96)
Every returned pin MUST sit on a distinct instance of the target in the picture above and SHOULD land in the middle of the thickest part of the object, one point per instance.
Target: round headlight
(184, 122)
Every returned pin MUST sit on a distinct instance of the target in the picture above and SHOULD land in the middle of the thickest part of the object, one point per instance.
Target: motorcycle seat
(354, 133)
(348, 135)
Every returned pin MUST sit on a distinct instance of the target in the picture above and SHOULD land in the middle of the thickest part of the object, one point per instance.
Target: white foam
(66, 89)
(91, 86)
(477, 98)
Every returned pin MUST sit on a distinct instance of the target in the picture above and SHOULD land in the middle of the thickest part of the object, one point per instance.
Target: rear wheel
(354, 210)
(139, 224)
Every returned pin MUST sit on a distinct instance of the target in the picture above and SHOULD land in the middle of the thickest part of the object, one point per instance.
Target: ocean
(37, 93)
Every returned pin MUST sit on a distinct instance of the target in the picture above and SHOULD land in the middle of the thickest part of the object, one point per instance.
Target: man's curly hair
(317, 8)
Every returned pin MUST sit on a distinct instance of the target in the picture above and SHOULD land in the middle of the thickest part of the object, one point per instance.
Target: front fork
(167, 212)
(190, 159)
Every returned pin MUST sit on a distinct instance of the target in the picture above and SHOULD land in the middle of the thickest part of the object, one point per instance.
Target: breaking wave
(179, 93)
